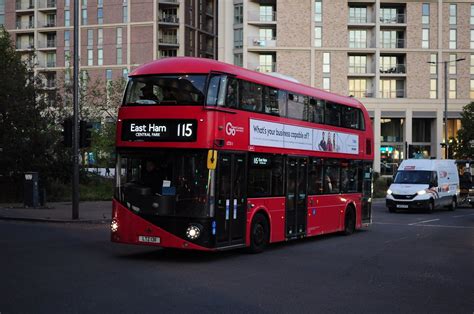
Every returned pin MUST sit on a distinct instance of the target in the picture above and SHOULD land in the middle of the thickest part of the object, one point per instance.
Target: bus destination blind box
(159, 130)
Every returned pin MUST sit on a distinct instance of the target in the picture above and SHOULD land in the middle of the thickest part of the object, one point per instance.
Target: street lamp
(446, 101)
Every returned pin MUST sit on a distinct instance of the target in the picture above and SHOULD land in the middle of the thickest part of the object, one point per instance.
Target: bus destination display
(159, 130)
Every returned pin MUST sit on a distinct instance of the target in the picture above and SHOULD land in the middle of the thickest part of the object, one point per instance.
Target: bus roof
(189, 65)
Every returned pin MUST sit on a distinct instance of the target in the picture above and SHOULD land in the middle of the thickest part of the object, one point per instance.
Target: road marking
(422, 222)
(414, 225)
(463, 216)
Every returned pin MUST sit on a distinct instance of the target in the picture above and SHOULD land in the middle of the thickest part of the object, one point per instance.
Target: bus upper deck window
(232, 94)
(216, 90)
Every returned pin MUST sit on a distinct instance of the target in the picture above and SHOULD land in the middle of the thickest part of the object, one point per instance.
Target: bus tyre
(453, 204)
(259, 233)
(349, 221)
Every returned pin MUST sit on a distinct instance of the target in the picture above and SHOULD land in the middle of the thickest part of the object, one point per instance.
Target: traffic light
(85, 134)
(67, 132)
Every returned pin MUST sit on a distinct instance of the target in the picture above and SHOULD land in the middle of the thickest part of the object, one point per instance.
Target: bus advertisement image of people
(211, 156)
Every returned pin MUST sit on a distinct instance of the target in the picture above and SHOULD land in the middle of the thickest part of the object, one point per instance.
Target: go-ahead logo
(231, 129)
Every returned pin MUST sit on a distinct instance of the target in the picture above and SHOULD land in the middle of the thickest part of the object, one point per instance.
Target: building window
(358, 39)
(100, 15)
(51, 59)
(425, 13)
(452, 14)
(266, 13)
(119, 36)
(471, 89)
(238, 38)
(67, 39)
(358, 88)
(100, 3)
(67, 3)
(425, 41)
(452, 89)
(392, 89)
(472, 14)
(266, 34)
(90, 37)
(100, 56)
(67, 18)
(452, 63)
(433, 64)
(358, 15)
(392, 39)
(472, 39)
(357, 64)
(238, 59)
(452, 39)
(318, 36)
(326, 62)
(433, 88)
(238, 13)
(472, 65)
(84, 3)
(266, 63)
(100, 37)
(108, 75)
(318, 11)
(84, 16)
(90, 57)
(119, 55)
(125, 12)
(326, 83)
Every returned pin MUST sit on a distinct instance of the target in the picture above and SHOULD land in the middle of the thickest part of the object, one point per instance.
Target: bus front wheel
(259, 233)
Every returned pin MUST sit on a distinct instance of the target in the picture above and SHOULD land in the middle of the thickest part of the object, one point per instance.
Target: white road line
(463, 216)
(422, 222)
(413, 225)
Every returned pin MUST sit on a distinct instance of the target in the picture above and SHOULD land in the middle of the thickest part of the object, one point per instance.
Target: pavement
(61, 212)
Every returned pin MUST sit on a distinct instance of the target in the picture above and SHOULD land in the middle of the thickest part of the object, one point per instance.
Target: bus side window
(350, 117)
(213, 90)
(315, 177)
(318, 111)
(270, 101)
(277, 176)
(296, 106)
(251, 96)
(331, 177)
(361, 120)
(333, 114)
(232, 95)
(282, 99)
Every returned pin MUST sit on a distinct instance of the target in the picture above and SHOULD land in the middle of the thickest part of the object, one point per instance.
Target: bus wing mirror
(212, 159)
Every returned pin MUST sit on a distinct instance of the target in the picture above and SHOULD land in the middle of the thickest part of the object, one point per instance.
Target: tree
(28, 135)
(463, 148)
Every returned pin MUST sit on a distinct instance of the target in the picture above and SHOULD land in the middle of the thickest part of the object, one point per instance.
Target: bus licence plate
(148, 239)
(402, 206)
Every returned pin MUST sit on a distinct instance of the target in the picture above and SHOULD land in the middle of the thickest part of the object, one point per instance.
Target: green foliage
(462, 148)
(381, 185)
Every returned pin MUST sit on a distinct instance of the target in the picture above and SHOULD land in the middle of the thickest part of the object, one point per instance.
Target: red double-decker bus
(212, 156)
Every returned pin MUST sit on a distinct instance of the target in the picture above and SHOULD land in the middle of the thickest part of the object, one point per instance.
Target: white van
(424, 183)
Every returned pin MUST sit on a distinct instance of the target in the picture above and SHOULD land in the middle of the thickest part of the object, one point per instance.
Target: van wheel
(259, 233)
(349, 221)
(453, 204)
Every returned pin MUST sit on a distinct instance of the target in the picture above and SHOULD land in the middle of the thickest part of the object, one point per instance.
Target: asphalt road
(404, 263)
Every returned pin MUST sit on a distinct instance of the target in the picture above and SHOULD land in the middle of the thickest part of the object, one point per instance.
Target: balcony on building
(361, 87)
(47, 5)
(49, 80)
(361, 65)
(392, 39)
(361, 39)
(25, 24)
(47, 44)
(171, 20)
(262, 13)
(168, 40)
(168, 3)
(24, 6)
(48, 21)
(166, 53)
(392, 88)
(391, 65)
(24, 46)
(392, 15)
(361, 16)
(262, 42)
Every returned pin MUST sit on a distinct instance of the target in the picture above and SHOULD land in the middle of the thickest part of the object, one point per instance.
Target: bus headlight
(193, 232)
(114, 225)
(389, 192)
(421, 192)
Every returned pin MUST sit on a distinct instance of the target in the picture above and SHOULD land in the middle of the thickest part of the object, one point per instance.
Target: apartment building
(115, 35)
(375, 50)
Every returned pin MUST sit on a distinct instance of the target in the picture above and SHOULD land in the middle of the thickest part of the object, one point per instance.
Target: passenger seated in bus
(327, 184)
(147, 92)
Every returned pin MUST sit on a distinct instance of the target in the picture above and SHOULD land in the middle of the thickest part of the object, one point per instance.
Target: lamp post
(446, 101)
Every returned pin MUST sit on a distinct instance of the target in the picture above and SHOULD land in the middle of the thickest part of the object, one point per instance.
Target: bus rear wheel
(349, 221)
(259, 233)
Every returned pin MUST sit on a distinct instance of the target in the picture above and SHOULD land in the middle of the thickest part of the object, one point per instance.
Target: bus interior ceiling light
(193, 232)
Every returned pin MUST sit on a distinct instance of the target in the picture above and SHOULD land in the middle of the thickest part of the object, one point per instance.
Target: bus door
(366, 192)
(296, 194)
(231, 214)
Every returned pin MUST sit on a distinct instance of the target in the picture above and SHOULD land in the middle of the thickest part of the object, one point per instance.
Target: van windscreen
(414, 177)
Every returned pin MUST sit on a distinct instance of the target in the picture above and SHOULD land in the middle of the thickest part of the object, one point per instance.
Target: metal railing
(257, 17)
(395, 44)
(24, 46)
(49, 23)
(47, 4)
(393, 69)
(361, 93)
(361, 44)
(262, 42)
(169, 19)
(359, 19)
(399, 18)
(399, 93)
(264, 68)
(25, 25)
(168, 40)
(358, 69)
